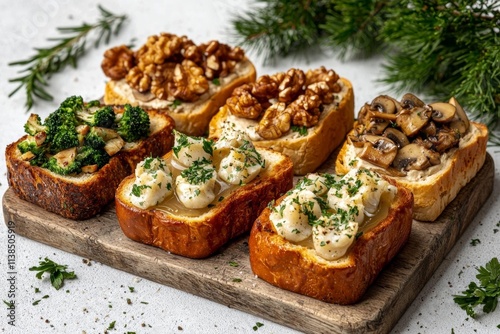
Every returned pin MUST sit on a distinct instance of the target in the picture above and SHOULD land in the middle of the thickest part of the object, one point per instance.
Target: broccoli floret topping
(92, 156)
(64, 162)
(134, 124)
(29, 145)
(61, 125)
(34, 125)
(94, 139)
(65, 137)
(95, 116)
(73, 104)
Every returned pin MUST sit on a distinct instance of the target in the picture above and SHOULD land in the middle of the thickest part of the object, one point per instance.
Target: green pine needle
(67, 50)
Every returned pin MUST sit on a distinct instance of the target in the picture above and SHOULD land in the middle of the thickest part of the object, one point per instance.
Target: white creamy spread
(152, 184)
(122, 88)
(351, 157)
(205, 167)
(330, 209)
(249, 125)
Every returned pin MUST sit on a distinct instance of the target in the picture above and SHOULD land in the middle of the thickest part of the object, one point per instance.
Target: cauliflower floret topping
(331, 209)
(153, 183)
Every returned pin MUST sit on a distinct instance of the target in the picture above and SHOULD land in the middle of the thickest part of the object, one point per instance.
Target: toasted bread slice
(200, 235)
(297, 267)
(307, 151)
(191, 118)
(84, 195)
(436, 187)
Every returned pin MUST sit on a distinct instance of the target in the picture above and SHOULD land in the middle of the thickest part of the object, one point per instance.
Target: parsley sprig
(57, 272)
(66, 51)
(486, 294)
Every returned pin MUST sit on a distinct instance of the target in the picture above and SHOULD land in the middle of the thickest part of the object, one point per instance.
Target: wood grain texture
(101, 239)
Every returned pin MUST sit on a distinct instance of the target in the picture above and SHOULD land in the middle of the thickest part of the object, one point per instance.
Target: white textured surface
(99, 295)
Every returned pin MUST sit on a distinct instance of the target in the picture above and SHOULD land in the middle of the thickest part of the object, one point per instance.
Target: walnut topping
(171, 67)
(189, 82)
(275, 122)
(117, 62)
(295, 98)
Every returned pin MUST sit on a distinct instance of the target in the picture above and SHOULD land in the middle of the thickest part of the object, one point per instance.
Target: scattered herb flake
(475, 242)
(216, 81)
(233, 264)
(36, 302)
(175, 104)
(145, 303)
(37, 290)
(112, 325)
(257, 325)
(236, 280)
(131, 288)
(302, 130)
(57, 272)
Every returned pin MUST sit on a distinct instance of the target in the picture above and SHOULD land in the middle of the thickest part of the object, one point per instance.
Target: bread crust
(194, 120)
(436, 191)
(307, 152)
(85, 195)
(294, 268)
(199, 237)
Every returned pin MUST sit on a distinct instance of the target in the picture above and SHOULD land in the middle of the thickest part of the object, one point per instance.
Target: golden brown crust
(433, 193)
(202, 236)
(307, 152)
(194, 121)
(85, 195)
(292, 267)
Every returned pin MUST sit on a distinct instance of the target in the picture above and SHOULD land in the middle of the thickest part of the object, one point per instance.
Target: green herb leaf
(486, 294)
(233, 264)
(57, 272)
(257, 325)
(302, 130)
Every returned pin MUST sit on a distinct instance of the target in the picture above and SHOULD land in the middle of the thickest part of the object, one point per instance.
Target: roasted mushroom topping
(411, 121)
(410, 101)
(385, 104)
(442, 112)
(397, 137)
(461, 122)
(379, 150)
(444, 140)
(415, 157)
(430, 129)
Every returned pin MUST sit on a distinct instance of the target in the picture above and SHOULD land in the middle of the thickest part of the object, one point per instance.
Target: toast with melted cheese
(197, 197)
(331, 247)
(84, 195)
(446, 159)
(307, 140)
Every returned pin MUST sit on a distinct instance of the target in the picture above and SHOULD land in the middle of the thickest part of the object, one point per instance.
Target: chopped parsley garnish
(302, 130)
(137, 190)
(175, 104)
(475, 242)
(233, 264)
(257, 325)
(57, 272)
(199, 172)
(216, 81)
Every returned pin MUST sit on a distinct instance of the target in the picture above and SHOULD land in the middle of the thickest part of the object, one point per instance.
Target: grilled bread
(433, 150)
(303, 115)
(170, 73)
(294, 245)
(85, 194)
(206, 195)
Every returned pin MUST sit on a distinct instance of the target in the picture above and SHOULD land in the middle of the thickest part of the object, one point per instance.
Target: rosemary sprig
(66, 51)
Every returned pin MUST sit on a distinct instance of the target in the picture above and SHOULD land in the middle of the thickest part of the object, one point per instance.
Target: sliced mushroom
(377, 126)
(384, 104)
(444, 140)
(410, 101)
(411, 121)
(144, 97)
(90, 168)
(28, 156)
(415, 157)
(40, 138)
(379, 150)
(363, 114)
(381, 115)
(442, 112)
(66, 157)
(114, 145)
(397, 137)
(430, 129)
(105, 133)
(461, 122)
(82, 130)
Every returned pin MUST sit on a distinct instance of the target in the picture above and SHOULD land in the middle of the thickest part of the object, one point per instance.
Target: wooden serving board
(101, 239)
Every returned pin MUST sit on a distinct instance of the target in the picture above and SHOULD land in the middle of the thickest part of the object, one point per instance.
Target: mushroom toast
(432, 149)
(73, 161)
(331, 235)
(173, 74)
(203, 193)
(304, 115)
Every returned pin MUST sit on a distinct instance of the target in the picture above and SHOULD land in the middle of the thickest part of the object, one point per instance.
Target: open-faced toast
(171, 73)
(303, 115)
(433, 150)
(87, 188)
(207, 194)
(296, 246)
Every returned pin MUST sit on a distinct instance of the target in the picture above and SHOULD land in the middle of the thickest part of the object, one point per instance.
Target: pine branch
(67, 50)
(437, 48)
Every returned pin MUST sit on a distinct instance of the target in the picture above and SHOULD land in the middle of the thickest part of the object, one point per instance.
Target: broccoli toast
(82, 187)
